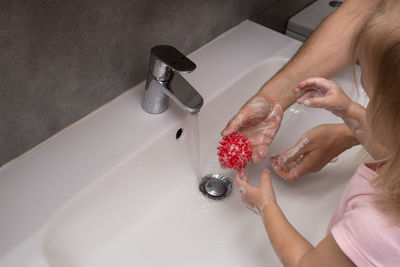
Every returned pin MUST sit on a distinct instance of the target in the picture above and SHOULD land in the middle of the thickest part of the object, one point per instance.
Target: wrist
(347, 111)
(344, 137)
(270, 207)
(277, 91)
(284, 99)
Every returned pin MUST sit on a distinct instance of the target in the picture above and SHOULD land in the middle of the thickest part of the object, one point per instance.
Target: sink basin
(147, 210)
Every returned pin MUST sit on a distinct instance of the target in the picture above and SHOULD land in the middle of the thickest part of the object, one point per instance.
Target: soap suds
(359, 133)
(289, 172)
(261, 132)
(257, 210)
(352, 123)
(242, 190)
(253, 209)
(303, 141)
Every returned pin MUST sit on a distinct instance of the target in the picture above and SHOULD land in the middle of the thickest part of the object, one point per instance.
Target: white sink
(148, 211)
(117, 188)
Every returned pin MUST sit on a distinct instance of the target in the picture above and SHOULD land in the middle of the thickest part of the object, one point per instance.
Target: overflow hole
(179, 133)
(335, 4)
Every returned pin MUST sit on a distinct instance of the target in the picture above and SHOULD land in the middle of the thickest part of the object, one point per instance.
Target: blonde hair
(378, 43)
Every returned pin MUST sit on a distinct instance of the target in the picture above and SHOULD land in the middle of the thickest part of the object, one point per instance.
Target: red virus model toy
(234, 151)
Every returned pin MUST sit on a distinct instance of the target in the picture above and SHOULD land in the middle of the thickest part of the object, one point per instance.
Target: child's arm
(355, 119)
(291, 248)
(322, 93)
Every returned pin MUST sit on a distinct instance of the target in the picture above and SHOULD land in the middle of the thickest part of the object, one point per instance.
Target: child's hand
(259, 121)
(322, 93)
(257, 197)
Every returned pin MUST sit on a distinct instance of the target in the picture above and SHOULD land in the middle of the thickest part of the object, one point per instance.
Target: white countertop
(34, 186)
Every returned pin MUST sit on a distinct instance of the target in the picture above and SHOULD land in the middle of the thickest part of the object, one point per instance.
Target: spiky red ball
(234, 151)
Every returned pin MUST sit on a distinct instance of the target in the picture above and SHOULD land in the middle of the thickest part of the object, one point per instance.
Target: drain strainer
(215, 186)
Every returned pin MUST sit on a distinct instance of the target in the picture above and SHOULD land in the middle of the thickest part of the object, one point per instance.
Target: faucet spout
(164, 81)
(184, 95)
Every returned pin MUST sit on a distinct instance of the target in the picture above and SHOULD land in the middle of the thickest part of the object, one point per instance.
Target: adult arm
(324, 54)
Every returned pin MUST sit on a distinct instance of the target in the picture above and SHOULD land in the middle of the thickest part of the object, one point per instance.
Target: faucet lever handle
(165, 58)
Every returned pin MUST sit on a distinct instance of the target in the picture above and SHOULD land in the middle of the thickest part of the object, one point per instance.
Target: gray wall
(62, 59)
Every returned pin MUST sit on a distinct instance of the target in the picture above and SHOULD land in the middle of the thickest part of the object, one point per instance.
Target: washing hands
(320, 145)
(326, 94)
(258, 120)
(259, 197)
(315, 149)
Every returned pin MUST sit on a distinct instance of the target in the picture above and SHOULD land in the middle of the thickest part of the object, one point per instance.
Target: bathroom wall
(61, 60)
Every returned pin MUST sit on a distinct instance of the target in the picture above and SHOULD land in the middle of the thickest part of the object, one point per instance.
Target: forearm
(289, 245)
(355, 119)
(328, 43)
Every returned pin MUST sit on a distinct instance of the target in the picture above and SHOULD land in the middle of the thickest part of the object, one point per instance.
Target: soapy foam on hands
(304, 141)
(257, 109)
(253, 123)
(268, 129)
(336, 110)
(242, 190)
(262, 133)
(253, 209)
(259, 105)
(352, 123)
(280, 162)
(258, 209)
(359, 133)
(289, 168)
(354, 126)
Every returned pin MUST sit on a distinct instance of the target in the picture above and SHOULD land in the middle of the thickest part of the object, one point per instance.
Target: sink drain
(215, 186)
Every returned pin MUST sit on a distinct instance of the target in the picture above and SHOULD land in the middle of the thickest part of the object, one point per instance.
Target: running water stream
(193, 143)
(196, 140)
(203, 158)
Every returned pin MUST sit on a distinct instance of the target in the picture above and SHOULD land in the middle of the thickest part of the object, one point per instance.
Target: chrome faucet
(164, 81)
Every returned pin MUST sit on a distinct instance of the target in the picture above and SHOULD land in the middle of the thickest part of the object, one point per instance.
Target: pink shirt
(363, 232)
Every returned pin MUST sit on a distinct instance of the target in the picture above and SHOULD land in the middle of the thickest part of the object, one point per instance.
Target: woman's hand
(313, 151)
(259, 121)
(257, 197)
(322, 93)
